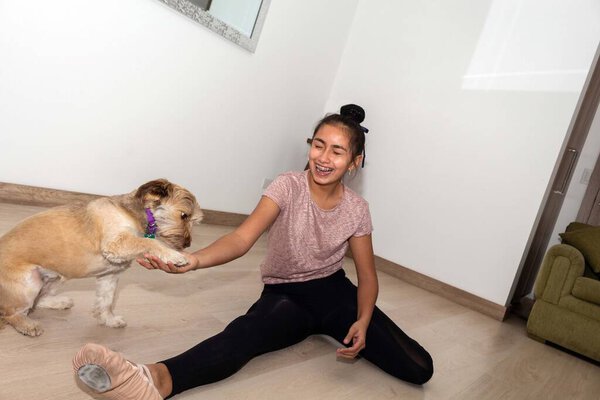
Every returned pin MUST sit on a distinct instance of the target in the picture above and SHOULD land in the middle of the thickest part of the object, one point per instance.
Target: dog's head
(175, 210)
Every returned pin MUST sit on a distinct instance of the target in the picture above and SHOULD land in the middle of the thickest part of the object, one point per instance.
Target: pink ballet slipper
(111, 376)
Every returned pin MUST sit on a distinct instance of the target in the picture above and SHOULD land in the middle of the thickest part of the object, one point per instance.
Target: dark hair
(349, 119)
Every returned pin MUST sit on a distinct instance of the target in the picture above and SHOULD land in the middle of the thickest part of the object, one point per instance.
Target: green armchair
(567, 298)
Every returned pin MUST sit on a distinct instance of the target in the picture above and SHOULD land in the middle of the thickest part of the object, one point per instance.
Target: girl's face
(330, 156)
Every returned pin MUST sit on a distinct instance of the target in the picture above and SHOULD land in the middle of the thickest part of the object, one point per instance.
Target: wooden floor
(475, 356)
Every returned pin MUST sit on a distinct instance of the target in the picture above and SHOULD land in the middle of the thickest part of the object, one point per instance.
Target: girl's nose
(325, 155)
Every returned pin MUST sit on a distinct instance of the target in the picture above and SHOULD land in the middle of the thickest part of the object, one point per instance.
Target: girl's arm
(226, 248)
(368, 289)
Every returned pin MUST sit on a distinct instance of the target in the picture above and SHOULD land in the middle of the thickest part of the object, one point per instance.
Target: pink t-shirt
(306, 242)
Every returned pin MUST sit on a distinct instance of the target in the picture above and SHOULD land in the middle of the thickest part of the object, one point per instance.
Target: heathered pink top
(305, 241)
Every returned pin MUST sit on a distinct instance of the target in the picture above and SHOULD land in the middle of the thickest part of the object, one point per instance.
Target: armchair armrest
(561, 266)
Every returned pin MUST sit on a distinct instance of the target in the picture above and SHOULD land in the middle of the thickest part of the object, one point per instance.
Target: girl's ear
(355, 163)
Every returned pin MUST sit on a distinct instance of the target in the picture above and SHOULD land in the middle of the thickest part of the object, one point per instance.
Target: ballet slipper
(111, 376)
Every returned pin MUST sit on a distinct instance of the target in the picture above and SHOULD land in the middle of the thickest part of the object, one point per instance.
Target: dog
(96, 239)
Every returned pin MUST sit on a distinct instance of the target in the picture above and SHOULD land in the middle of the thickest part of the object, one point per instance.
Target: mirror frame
(203, 17)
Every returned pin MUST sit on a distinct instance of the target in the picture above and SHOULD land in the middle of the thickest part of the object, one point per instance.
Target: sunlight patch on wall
(535, 45)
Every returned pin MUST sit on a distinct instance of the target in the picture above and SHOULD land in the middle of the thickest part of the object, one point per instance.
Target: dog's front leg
(126, 247)
(106, 287)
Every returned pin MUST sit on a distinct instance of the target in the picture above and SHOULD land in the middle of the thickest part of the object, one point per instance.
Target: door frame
(520, 301)
(589, 211)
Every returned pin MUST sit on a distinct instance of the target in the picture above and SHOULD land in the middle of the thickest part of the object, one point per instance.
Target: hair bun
(354, 112)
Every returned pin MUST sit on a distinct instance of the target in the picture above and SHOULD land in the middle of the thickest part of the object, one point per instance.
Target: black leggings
(288, 313)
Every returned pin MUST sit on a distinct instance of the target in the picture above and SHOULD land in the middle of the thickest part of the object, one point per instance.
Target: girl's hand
(357, 335)
(152, 262)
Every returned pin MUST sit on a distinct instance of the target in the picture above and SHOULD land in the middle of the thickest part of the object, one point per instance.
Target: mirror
(236, 20)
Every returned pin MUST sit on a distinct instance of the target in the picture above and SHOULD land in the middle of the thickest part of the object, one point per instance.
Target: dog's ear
(198, 214)
(151, 193)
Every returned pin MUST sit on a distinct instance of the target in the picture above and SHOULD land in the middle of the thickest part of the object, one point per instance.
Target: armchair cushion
(581, 307)
(585, 238)
(587, 289)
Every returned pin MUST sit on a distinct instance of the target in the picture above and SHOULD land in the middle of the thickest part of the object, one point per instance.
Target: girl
(313, 218)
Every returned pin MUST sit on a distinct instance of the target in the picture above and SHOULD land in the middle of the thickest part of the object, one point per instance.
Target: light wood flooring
(475, 356)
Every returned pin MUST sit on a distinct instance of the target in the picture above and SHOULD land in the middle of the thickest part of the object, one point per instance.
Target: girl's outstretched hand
(152, 262)
(357, 335)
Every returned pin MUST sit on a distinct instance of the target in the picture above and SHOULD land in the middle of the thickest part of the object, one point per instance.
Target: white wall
(100, 97)
(468, 103)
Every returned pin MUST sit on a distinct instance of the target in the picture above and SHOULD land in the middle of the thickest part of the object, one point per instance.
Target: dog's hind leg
(47, 297)
(49, 300)
(17, 298)
(55, 302)
(106, 287)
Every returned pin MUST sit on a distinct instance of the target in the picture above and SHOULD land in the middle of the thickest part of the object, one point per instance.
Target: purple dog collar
(151, 227)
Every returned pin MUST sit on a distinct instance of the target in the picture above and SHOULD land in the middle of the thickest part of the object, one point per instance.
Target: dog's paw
(30, 328)
(55, 302)
(180, 261)
(175, 257)
(25, 325)
(113, 321)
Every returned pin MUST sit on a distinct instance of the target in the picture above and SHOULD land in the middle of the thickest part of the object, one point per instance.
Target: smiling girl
(312, 218)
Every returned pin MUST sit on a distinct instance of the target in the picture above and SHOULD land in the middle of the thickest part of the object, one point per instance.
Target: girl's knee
(423, 375)
(423, 371)
(417, 373)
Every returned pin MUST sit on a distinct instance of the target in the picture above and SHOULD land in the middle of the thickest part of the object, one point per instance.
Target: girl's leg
(272, 323)
(395, 352)
(387, 346)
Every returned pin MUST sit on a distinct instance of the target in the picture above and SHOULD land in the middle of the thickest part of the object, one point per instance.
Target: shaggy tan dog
(98, 239)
